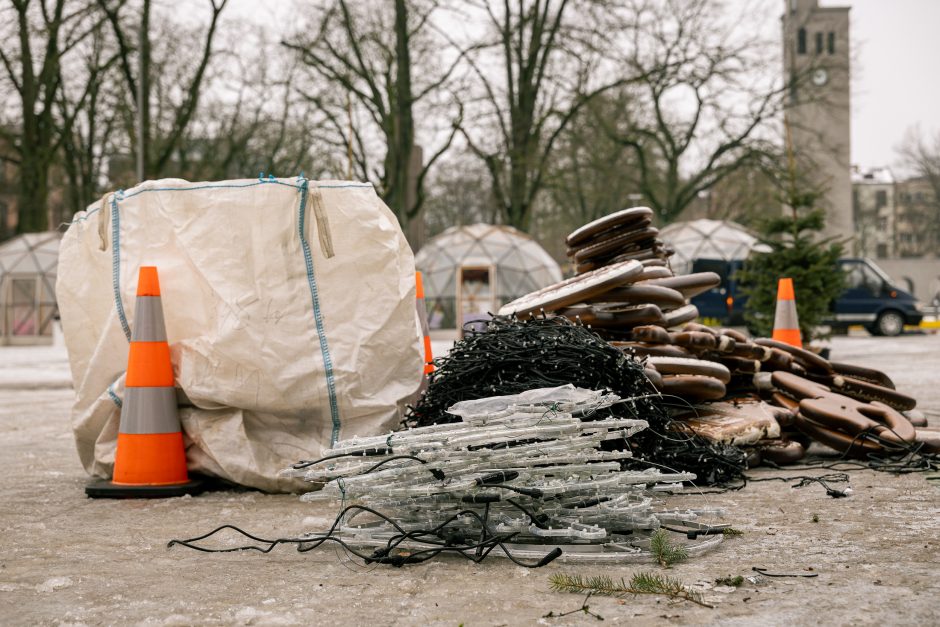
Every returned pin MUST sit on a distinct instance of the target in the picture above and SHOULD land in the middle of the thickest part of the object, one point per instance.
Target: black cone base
(104, 489)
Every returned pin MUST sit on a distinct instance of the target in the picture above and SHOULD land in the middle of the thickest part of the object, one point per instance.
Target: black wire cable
(369, 452)
(442, 545)
(438, 474)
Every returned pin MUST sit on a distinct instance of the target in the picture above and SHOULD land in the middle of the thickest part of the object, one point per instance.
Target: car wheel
(889, 323)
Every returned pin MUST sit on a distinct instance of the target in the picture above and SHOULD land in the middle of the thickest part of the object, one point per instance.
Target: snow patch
(254, 616)
(53, 584)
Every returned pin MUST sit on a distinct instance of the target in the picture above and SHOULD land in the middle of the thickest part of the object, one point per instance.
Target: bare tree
(458, 194)
(38, 35)
(95, 114)
(706, 104)
(162, 113)
(365, 59)
(920, 155)
(744, 195)
(550, 64)
(263, 125)
(591, 175)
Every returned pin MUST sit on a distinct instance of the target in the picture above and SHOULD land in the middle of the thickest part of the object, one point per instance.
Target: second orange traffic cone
(423, 318)
(151, 459)
(786, 323)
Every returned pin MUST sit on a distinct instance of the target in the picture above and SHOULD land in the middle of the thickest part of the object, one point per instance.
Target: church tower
(816, 62)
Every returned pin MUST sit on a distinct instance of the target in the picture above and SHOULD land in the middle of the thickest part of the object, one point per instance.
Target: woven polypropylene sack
(289, 307)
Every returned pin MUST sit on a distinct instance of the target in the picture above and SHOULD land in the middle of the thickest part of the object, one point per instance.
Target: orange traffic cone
(151, 458)
(423, 317)
(786, 323)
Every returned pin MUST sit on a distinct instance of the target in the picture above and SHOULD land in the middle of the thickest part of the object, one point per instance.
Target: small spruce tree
(796, 251)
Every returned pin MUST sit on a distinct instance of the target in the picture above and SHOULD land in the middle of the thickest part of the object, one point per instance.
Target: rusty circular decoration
(603, 236)
(869, 375)
(797, 387)
(695, 340)
(740, 365)
(655, 272)
(662, 297)
(809, 360)
(651, 333)
(643, 349)
(616, 315)
(657, 251)
(609, 247)
(782, 451)
(679, 365)
(581, 268)
(842, 442)
(917, 417)
(867, 392)
(693, 387)
(929, 439)
(855, 417)
(690, 285)
(681, 315)
(618, 218)
(574, 290)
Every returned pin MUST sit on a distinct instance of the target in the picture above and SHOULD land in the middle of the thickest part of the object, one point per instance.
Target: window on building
(831, 42)
(882, 224)
(881, 251)
(881, 198)
(819, 43)
(801, 41)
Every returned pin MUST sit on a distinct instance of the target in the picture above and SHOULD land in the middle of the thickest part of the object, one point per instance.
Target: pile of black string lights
(512, 356)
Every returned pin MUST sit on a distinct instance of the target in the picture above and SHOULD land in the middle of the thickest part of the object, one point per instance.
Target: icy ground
(66, 559)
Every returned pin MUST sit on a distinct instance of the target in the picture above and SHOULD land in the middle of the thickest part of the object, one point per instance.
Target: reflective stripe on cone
(786, 322)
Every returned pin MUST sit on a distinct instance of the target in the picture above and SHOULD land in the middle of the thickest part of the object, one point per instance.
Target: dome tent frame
(720, 240)
(28, 269)
(470, 271)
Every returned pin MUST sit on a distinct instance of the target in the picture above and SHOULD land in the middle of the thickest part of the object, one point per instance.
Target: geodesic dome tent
(708, 239)
(27, 288)
(470, 271)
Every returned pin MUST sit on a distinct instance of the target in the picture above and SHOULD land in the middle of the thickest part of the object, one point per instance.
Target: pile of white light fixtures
(531, 465)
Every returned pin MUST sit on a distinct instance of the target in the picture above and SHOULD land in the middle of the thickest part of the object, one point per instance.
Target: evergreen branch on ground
(641, 583)
(666, 552)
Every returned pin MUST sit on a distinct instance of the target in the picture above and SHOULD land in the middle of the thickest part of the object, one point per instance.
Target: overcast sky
(897, 47)
(896, 55)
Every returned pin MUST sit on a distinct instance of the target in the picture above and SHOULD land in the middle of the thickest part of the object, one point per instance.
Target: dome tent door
(476, 294)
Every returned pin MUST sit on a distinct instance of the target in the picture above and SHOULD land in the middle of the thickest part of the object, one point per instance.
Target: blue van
(870, 299)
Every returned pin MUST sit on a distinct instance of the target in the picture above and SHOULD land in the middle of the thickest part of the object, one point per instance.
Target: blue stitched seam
(186, 189)
(114, 397)
(317, 314)
(116, 262)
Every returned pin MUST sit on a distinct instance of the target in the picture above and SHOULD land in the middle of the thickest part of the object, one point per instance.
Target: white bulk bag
(289, 307)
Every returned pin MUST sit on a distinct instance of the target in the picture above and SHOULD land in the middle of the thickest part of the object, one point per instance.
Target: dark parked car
(870, 299)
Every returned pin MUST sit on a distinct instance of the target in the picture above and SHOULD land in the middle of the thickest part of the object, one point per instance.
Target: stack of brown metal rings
(763, 395)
